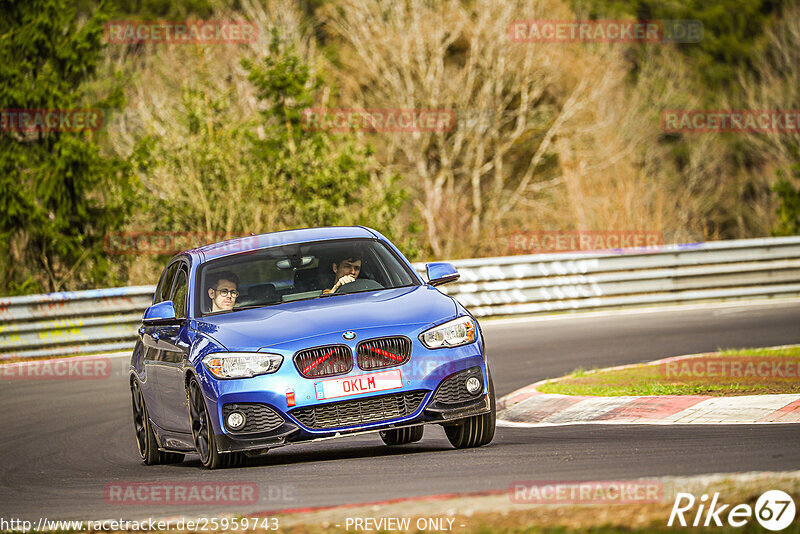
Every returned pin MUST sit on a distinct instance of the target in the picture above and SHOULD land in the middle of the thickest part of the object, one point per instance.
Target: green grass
(649, 379)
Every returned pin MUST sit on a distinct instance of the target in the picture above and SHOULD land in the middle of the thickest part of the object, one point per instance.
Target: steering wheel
(359, 284)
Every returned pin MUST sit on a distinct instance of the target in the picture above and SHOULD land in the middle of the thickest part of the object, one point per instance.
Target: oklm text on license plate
(352, 385)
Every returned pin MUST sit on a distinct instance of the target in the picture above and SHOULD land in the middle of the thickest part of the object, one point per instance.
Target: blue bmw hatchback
(267, 340)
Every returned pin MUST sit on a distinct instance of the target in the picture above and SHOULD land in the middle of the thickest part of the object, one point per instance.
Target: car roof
(286, 237)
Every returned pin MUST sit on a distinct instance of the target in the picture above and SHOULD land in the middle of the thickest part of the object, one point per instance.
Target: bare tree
(776, 86)
(548, 134)
(505, 96)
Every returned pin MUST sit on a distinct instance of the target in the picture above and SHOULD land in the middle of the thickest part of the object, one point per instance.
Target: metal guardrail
(106, 319)
(74, 322)
(717, 270)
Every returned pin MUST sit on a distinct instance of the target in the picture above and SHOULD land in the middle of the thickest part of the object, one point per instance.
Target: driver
(346, 269)
(222, 291)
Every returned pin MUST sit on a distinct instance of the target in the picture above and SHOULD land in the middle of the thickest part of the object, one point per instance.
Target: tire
(401, 436)
(145, 437)
(203, 433)
(477, 430)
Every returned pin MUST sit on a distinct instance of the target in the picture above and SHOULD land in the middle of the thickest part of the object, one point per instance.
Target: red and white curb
(528, 407)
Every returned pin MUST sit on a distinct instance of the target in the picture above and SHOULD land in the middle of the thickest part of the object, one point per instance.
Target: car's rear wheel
(477, 430)
(145, 437)
(401, 436)
(203, 433)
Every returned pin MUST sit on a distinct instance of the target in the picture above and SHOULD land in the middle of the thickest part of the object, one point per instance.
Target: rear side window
(179, 295)
(165, 285)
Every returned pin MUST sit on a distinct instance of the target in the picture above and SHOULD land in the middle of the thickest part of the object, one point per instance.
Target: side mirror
(441, 273)
(161, 313)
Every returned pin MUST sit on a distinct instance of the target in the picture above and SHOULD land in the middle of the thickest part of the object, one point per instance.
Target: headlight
(453, 333)
(241, 364)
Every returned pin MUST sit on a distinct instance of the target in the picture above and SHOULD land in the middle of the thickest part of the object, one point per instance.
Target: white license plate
(353, 385)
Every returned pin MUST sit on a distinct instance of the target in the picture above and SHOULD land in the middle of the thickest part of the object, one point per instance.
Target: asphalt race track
(62, 442)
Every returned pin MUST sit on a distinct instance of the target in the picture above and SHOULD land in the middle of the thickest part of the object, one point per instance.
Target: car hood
(291, 321)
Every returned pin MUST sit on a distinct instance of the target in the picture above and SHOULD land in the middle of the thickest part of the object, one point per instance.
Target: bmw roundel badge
(349, 335)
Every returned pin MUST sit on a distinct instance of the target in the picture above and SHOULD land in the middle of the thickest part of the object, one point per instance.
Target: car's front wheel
(145, 437)
(203, 433)
(401, 436)
(477, 430)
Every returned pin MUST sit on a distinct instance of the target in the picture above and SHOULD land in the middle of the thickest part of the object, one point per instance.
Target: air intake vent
(383, 352)
(324, 361)
(453, 389)
(258, 417)
(358, 412)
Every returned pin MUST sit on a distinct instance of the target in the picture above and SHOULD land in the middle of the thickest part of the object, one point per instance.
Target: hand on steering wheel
(346, 279)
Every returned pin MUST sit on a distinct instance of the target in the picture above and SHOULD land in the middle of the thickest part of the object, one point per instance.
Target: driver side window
(165, 285)
(179, 294)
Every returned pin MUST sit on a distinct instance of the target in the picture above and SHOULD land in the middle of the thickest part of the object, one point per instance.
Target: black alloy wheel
(477, 430)
(203, 433)
(145, 437)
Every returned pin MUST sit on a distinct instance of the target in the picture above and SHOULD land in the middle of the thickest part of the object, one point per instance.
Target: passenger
(222, 291)
(346, 269)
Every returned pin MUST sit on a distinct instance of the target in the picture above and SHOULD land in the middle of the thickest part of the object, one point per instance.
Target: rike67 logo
(774, 510)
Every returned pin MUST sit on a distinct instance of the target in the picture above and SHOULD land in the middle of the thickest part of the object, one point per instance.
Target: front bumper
(310, 419)
(447, 404)
(256, 442)
(445, 414)
(291, 433)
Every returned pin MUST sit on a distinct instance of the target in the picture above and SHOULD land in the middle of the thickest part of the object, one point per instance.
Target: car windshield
(298, 272)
